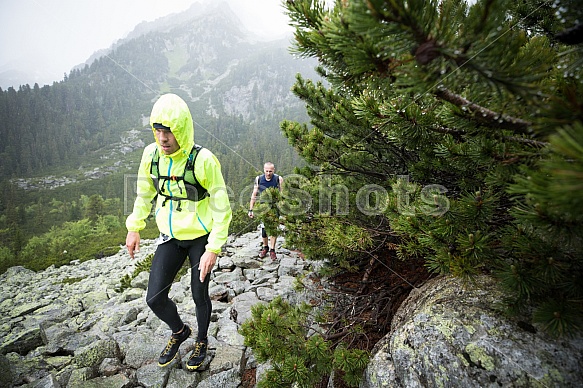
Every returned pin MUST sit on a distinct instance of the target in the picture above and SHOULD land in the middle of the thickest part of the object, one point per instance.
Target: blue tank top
(265, 184)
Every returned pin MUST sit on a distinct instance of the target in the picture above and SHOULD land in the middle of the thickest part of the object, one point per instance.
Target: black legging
(167, 261)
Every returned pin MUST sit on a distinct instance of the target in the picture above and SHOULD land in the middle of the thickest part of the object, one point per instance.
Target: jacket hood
(172, 112)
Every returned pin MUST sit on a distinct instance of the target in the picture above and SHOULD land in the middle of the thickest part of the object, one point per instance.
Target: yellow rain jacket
(210, 215)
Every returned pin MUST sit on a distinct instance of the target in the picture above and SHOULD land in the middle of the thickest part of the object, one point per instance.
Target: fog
(43, 40)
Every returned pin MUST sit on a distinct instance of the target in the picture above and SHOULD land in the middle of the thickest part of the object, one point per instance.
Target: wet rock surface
(71, 327)
(447, 334)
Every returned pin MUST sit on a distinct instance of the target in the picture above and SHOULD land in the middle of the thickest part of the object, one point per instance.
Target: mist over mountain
(44, 51)
(238, 89)
(17, 70)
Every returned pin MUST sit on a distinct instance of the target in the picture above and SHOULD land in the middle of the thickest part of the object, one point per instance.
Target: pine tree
(283, 333)
(267, 210)
(467, 120)
(94, 207)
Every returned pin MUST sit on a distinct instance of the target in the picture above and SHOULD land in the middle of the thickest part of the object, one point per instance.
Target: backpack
(194, 190)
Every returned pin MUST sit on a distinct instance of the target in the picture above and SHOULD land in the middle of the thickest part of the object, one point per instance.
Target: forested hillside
(79, 137)
(237, 89)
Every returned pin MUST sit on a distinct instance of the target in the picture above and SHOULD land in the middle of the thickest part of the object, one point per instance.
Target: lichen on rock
(451, 334)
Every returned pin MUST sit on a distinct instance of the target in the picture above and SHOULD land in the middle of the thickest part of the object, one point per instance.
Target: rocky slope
(69, 327)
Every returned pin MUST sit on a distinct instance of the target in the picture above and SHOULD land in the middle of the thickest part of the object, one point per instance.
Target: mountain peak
(196, 11)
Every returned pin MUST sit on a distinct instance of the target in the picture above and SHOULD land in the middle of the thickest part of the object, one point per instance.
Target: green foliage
(141, 266)
(324, 237)
(267, 210)
(94, 207)
(72, 280)
(560, 317)
(319, 217)
(144, 265)
(241, 223)
(6, 259)
(81, 240)
(279, 332)
(468, 120)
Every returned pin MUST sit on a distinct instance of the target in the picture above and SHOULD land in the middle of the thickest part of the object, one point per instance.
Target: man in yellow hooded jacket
(194, 227)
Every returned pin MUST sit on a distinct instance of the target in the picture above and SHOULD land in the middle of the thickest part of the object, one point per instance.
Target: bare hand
(207, 262)
(133, 243)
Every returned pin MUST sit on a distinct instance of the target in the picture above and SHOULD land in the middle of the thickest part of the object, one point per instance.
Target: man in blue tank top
(267, 180)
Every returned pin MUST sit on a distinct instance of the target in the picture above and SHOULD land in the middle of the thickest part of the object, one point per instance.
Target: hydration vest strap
(194, 190)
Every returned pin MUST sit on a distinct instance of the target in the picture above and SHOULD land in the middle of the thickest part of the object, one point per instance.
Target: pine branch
(457, 134)
(335, 336)
(531, 142)
(394, 13)
(402, 157)
(485, 115)
(359, 171)
(366, 275)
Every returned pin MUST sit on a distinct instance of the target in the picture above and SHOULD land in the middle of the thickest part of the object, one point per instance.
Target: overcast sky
(56, 35)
